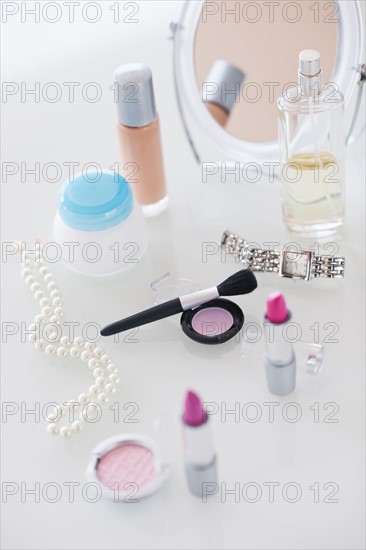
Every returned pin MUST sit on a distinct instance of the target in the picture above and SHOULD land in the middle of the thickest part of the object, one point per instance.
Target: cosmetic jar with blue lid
(98, 228)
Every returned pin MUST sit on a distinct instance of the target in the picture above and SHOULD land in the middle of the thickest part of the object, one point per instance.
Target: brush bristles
(242, 282)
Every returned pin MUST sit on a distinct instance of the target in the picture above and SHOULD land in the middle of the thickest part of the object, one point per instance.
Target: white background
(156, 371)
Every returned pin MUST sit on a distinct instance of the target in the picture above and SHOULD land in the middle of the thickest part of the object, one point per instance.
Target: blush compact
(127, 467)
(214, 322)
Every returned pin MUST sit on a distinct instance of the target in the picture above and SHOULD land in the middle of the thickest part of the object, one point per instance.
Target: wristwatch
(299, 265)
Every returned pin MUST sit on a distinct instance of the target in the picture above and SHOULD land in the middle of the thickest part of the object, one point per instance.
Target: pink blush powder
(212, 321)
(125, 464)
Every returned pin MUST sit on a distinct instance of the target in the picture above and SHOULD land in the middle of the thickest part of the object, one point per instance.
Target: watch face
(295, 264)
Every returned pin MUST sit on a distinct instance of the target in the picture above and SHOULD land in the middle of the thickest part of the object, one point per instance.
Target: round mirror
(234, 59)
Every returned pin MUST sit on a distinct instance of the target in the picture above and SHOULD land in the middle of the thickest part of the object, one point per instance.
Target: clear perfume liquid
(312, 191)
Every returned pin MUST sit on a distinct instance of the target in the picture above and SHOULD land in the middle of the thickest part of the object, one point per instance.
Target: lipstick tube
(200, 458)
(139, 137)
(280, 361)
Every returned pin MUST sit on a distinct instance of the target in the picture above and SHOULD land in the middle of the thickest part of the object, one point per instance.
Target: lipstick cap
(197, 476)
(134, 95)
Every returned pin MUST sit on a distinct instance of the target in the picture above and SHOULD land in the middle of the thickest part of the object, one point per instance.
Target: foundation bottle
(139, 137)
(221, 90)
(312, 146)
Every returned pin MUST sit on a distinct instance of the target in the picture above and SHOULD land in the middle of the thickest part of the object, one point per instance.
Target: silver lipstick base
(197, 476)
(281, 379)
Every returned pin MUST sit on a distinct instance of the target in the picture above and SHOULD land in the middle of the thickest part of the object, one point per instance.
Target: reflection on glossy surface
(263, 39)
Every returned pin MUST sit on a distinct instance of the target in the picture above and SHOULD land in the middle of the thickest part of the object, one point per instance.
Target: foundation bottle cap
(95, 201)
(134, 95)
(227, 80)
(310, 72)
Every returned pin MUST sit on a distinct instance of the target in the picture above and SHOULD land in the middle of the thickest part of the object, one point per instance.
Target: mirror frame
(209, 141)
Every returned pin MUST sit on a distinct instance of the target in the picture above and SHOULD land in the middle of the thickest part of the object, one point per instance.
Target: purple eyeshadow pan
(214, 322)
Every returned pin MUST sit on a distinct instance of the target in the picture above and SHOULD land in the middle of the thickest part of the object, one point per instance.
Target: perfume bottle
(139, 137)
(312, 144)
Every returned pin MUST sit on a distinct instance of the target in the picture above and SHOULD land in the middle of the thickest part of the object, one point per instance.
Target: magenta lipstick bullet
(200, 458)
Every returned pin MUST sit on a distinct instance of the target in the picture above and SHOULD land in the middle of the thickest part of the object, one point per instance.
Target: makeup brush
(242, 282)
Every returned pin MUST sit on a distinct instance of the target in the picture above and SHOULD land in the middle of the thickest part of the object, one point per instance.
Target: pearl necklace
(43, 285)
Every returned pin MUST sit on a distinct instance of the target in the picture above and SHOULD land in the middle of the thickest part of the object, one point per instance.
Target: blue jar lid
(95, 201)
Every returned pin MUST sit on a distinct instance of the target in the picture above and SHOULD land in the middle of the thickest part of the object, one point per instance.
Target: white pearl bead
(44, 302)
(113, 378)
(33, 326)
(109, 388)
(98, 372)
(79, 342)
(52, 286)
(61, 351)
(53, 429)
(46, 310)
(93, 363)
(64, 341)
(39, 318)
(55, 294)
(53, 336)
(54, 319)
(39, 295)
(65, 431)
(43, 270)
(111, 368)
(57, 302)
(76, 426)
(40, 345)
(103, 397)
(85, 356)
(34, 287)
(100, 381)
(98, 352)
(32, 337)
(74, 352)
(90, 347)
(49, 278)
(50, 349)
(25, 273)
(29, 280)
(59, 311)
(93, 390)
(105, 359)
(83, 398)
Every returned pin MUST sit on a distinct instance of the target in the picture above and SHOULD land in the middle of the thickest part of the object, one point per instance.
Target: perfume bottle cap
(309, 62)
(134, 95)
(310, 72)
(226, 80)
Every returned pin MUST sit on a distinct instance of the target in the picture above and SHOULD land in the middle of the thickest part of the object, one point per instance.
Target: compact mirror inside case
(128, 467)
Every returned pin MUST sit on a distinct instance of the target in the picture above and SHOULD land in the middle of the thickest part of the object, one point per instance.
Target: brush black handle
(148, 316)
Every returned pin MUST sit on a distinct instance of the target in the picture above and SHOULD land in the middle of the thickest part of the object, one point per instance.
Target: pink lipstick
(279, 355)
(200, 458)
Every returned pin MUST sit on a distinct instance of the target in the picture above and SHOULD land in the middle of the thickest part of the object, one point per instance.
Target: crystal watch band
(304, 265)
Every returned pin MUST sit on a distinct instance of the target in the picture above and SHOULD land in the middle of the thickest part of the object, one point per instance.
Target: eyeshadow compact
(127, 467)
(214, 322)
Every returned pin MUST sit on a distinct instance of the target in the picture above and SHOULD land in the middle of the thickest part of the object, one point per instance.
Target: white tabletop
(323, 451)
